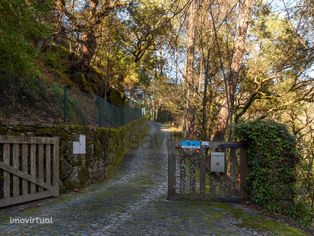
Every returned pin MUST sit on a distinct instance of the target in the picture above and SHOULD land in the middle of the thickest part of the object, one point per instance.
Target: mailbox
(217, 162)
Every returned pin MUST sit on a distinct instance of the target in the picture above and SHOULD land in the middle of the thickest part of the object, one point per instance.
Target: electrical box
(217, 162)
(80, 146)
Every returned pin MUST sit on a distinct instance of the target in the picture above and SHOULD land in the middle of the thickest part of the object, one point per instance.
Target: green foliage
(80, 80)
(305, 170)
(272, 159)
(17, 90)
(116, 98)
(302, 212)
(21, 30)
(56, 57)
(30, 44)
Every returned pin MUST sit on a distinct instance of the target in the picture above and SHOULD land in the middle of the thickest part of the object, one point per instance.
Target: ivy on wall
(272, 159)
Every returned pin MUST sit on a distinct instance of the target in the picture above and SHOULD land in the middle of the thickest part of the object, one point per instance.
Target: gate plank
(192, 175)
(225, 184)
(6, 175)
(33, 166)
(233, 167)
(26, 198)
(211, 182)
(16, 180)
(202, 171)
(40, 164)
(182, 174)
(48, 165)
(18, 173)
(24, 168)
(25, 139)
(56, 167)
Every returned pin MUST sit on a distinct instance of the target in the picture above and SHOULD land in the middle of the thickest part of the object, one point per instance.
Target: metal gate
(29, 169)
(215, 172)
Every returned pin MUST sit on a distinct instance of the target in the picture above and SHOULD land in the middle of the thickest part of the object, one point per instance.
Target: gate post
(243, 172)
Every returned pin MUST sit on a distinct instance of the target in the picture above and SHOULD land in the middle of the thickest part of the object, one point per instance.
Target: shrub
(272, 159)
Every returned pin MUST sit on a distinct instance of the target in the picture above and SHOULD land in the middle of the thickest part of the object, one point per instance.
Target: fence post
(65, 104)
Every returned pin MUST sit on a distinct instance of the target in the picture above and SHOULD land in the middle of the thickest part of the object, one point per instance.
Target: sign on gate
(190, 144)
(217, 162)
(205, 143)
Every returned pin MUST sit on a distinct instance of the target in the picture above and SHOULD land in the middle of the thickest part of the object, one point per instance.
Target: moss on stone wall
(105, 149)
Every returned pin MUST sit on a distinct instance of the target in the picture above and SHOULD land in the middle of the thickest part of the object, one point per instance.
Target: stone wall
(105, 149)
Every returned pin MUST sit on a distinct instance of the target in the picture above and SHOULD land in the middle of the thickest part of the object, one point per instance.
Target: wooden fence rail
(29, 169)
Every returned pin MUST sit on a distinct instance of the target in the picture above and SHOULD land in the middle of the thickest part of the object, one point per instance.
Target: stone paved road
(134, 202)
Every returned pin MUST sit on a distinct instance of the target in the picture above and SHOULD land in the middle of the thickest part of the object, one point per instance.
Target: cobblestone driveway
(133, 203)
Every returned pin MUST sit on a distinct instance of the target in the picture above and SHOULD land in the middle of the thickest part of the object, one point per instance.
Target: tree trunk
(189, 71)
(204, 79)
(204, 103)
(88, 49)
(88, 38)
(225, 116)
(239, 49)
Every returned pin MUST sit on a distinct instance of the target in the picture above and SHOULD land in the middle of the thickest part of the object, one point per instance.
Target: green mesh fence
(26, 100)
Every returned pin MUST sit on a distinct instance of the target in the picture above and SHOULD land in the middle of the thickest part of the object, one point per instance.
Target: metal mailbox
(217, 162)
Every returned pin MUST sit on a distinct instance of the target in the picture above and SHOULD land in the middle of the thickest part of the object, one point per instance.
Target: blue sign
(192, 144)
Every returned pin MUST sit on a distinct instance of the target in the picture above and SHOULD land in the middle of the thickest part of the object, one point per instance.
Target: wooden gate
(29, 169)
(190, 176)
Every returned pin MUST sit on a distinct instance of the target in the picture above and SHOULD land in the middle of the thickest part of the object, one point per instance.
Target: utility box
(80, 146)
(217, 162)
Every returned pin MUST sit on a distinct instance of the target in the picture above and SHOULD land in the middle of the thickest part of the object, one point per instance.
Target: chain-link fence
(28, 101)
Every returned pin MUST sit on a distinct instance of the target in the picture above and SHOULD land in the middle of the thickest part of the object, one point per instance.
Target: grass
(259, 223)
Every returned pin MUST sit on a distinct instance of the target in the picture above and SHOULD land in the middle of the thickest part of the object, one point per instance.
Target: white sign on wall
(80, 146)
(217, 162)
